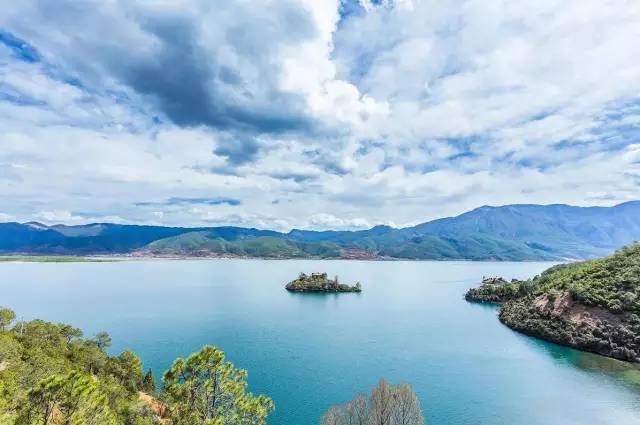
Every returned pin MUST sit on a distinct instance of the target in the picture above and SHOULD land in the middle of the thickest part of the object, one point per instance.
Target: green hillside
(46, 366)
(612, 283)
(204, 244)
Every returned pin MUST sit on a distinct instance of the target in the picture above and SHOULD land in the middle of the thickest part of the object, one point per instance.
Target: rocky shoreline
(566, 322)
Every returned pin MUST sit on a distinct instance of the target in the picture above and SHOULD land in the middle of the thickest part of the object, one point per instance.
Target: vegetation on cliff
(590, 305)
(319, 282)
(386, 405)
(51, 375)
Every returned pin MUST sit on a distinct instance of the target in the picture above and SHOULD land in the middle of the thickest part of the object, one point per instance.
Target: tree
(103, 340)
(407, 407)
(70, 332)
(357, 410)
(382, 404)
(335, 416)
(9, 348)
(127, 369)
(73, 398)
(204, 389)
(6, 317)
(149, 382)
(387, 405)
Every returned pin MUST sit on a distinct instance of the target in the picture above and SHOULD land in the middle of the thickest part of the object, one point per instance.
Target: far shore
(23, 258)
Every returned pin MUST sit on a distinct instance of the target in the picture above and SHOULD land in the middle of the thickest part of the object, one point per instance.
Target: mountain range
(510, 232)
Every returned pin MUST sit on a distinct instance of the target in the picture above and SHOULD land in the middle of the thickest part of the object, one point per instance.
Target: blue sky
(308, 114)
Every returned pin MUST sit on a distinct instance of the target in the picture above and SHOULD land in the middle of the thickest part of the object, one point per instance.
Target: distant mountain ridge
(510, 232)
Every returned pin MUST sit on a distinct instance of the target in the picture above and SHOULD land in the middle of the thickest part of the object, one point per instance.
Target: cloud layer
(298, 113)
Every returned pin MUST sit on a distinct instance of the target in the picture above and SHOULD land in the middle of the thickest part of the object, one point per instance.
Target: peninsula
(319, 282)
(591, 305)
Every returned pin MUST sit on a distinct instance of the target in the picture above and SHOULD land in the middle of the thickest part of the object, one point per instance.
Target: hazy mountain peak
(36, 225)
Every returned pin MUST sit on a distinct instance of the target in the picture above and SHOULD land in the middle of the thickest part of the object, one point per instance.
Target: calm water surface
(411, 324)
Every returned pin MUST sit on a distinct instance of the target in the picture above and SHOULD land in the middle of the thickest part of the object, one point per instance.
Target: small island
(319, 282)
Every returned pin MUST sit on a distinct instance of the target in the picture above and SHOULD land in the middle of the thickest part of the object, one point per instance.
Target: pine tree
(149, 382)
(206, 389)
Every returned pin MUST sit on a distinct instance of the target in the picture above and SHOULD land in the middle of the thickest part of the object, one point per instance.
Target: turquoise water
(411, 324)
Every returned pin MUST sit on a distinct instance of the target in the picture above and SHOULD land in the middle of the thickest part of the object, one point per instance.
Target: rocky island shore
(319, 282)
(591, 305)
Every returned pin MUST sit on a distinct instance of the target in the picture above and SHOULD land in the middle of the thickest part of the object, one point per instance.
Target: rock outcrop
(567, 322)
(319, 282)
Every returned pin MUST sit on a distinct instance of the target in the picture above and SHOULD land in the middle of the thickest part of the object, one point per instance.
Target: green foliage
(149, 382)
(50, 375)
(612, 282)
(103, 340)
(498, 290)
(205, 389)
(75, 398)
(70, 332)
(203, 244)
(320, 282)
(6, 317)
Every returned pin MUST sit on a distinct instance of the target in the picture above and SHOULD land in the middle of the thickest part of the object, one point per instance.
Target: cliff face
(566, 322)
(592, 305)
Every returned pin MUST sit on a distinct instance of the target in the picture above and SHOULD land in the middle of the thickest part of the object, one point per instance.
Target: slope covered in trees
(51, 375)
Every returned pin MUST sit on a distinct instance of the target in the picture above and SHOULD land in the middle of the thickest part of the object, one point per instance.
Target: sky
(329, 114)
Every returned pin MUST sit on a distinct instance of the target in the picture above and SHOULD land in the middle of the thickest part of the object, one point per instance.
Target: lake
(410, 324)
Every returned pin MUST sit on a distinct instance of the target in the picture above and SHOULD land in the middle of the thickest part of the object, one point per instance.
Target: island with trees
(319, 282)
(590, 305)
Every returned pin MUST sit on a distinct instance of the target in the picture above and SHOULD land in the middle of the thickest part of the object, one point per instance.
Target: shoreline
(22, 258)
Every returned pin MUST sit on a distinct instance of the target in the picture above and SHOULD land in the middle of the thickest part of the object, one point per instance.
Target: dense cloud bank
(329, 114)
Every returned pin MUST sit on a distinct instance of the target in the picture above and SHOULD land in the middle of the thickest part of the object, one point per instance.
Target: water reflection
(624, 373)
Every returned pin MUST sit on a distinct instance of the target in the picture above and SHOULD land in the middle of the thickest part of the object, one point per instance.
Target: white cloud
(329, 221)
(399, 113)
(6, 217)
(59, 216)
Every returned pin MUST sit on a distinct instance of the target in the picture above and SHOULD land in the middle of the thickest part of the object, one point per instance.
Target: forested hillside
(51, 375)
